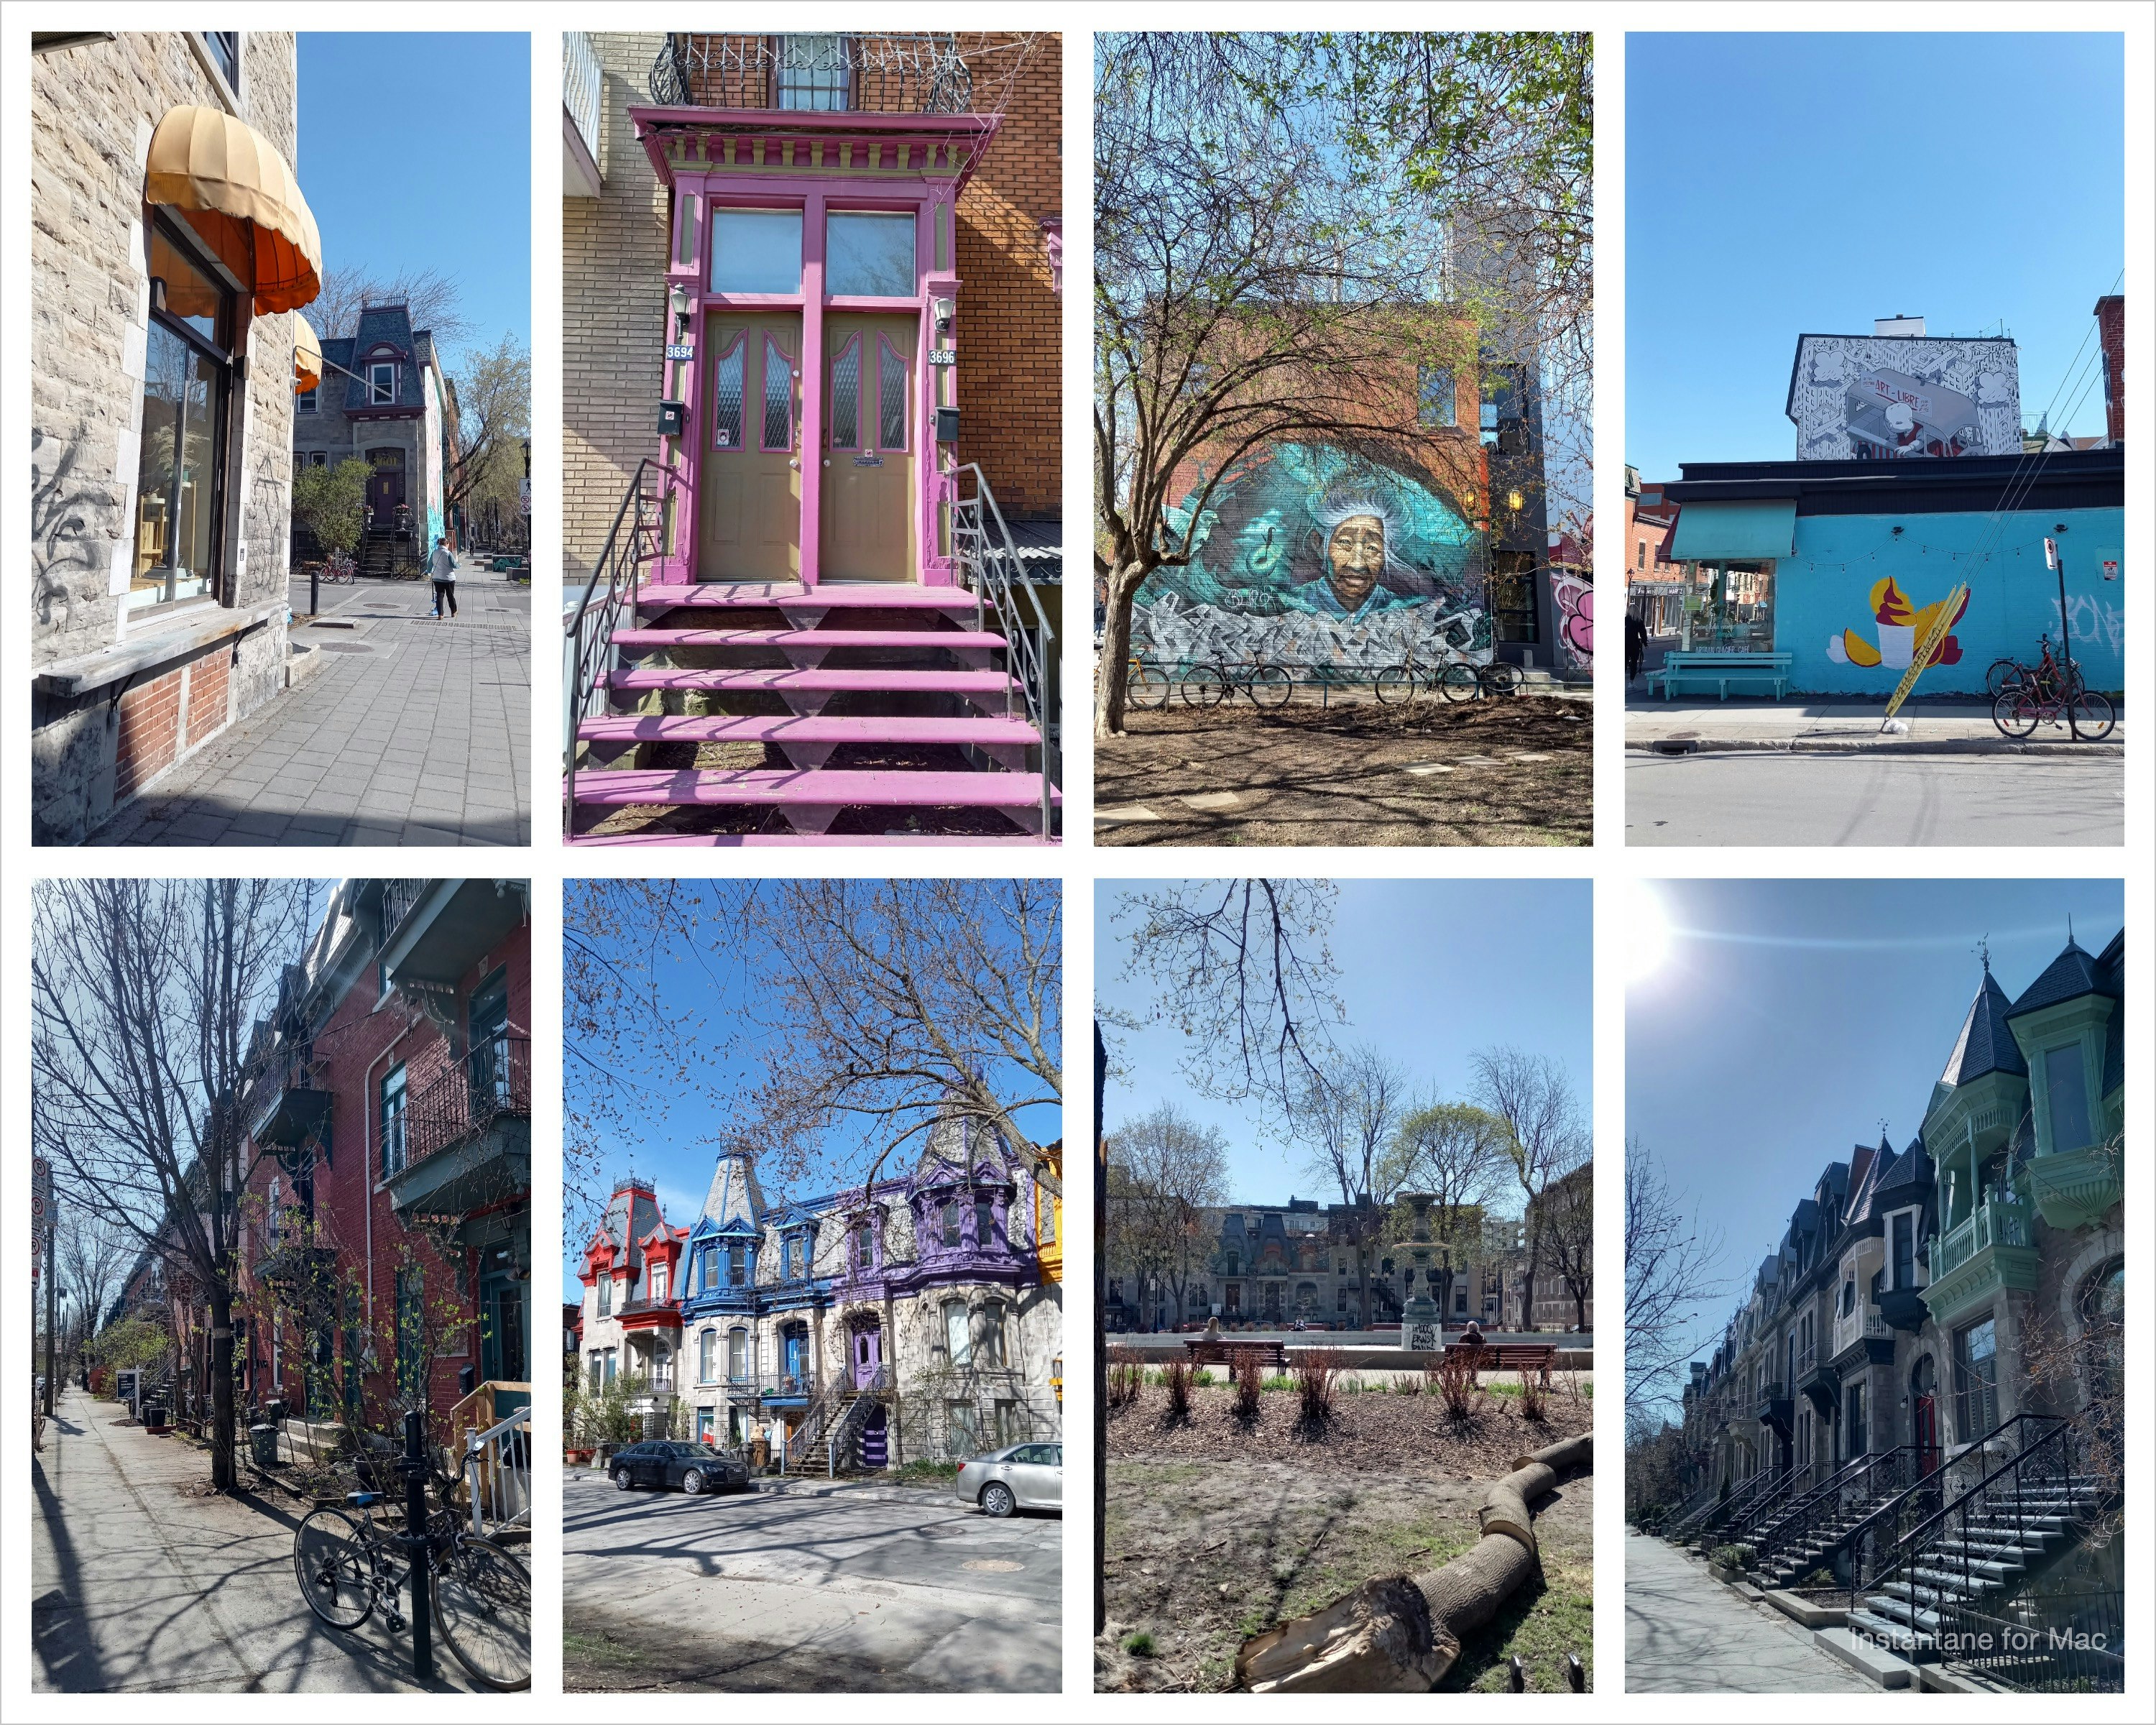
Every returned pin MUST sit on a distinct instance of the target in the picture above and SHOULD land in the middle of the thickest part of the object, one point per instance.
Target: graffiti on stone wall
(1310, 556)
(1573, 593)
(64, 528)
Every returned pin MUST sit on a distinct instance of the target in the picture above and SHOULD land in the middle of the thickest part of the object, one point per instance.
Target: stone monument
(1422, 1323)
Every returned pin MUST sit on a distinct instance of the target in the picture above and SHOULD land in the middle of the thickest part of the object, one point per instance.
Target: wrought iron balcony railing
(881, 74)
(491, 1083)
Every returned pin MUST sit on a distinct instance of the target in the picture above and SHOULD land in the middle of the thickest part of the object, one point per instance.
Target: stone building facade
(906, 1320)
(160, 420)
(630, 1321)
(1911, 1291)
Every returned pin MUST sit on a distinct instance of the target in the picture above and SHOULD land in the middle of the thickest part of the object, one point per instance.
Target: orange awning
(241, 201)
(306, 354)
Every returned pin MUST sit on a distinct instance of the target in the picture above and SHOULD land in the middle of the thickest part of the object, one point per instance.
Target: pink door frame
(813, 161)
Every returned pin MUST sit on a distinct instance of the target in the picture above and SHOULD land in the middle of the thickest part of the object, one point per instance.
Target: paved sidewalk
(1830, 726)
(1686, 1634)
(139, 1584)
(405, 731)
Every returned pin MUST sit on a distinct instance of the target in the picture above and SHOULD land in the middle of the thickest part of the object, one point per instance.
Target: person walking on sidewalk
(443, 568)
(1635, 646)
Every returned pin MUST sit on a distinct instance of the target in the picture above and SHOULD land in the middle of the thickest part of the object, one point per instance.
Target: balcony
(1776, 1408)
(1864, 1335)
(582, 103)
(1971, 1262)
(465, 1137)
(883, 74)
(434, 932)
(2073, 1188)
(650, 1315)
(298, 1109)
(299, 1267)
(1819, 1384)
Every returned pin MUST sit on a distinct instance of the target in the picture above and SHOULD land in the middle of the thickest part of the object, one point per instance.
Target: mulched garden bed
(1386, 1433)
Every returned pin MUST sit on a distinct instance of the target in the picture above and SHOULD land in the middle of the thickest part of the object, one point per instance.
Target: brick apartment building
(647, 177)
(812, 361)
(2111, 330)
(171, 248)
(387, 1255)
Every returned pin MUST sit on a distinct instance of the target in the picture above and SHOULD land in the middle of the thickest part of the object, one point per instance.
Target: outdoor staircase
(835, 1428)
(378, 551)
(1810, 1530)
(889, 710)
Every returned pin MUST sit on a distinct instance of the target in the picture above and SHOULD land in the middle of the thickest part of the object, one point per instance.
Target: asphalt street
(1685, 1633)
(141, 1582)
(1882, 798)
(763, 1592)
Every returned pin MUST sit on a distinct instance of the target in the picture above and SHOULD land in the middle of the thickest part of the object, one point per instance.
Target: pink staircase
(886, 711)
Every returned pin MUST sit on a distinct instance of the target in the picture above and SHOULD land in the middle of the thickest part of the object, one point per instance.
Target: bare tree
(434, 301)
(1165, 1171)
(1671, 1269)
(93, 1253)
(1566, 1228)
(1547, 1136)
(494, 416)
(1348, 1116)
(145, 1059)
(1454, 1152)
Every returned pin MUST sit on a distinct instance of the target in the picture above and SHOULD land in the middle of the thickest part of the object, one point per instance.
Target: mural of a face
(1355, 552)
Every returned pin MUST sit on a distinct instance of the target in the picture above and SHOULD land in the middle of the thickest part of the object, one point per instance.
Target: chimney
(1897, 325)
(2111, 331)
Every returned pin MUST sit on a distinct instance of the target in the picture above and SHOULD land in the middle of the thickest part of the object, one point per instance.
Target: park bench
(1205, 1352)
(1722, 669)
(1521, 1357)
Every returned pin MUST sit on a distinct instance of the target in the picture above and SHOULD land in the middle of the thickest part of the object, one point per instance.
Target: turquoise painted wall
(1824, 614)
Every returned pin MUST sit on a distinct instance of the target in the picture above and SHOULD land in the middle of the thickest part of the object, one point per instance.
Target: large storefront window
(869, 254)
(1729, 606)
(1513, 616)
(179, 475)
(756, 251)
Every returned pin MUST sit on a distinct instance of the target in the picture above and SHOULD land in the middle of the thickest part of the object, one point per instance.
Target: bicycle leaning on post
(348, 1565)
(1454, 679)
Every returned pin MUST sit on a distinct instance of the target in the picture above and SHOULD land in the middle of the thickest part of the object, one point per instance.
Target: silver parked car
(1023, 1476)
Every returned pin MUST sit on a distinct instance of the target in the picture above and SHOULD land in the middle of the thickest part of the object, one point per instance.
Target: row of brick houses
(171, 250)
(919, 1318)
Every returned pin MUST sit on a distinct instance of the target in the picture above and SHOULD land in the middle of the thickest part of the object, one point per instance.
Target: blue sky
(1430, 972)
(1790, 1017)
(673, 1140)
(415, 153)
(1777, 185)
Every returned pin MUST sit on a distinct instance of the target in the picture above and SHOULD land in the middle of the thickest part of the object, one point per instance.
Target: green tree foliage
(329, 502)
(129, 1344)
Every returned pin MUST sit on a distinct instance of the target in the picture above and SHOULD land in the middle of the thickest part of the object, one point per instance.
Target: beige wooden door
(869, 435)
(748, 488)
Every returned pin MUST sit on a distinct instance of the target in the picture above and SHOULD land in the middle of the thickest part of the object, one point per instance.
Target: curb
(1676, 747)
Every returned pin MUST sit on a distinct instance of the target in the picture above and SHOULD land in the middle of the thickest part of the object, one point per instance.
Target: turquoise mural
(1311, 555)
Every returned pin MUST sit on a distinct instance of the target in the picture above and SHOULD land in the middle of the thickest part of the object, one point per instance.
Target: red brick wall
(1010, 318)
(2111, 330)
(208, 683)
(149, 733)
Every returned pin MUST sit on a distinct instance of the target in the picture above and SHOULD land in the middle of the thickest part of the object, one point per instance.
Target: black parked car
(695, 1468)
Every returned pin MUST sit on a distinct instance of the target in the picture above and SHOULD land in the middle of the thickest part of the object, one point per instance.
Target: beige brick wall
(614, 311)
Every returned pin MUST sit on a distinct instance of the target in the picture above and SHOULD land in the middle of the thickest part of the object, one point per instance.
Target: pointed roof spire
(1985, 1045)
(735, 1199)
(2067, 977)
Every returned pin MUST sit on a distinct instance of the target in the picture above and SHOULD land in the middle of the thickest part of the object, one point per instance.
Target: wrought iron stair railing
(1812, 1521)
(991, 568)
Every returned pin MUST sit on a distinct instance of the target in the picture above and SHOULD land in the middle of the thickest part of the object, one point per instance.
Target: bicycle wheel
(2092, 717)
(1202, 686)
(1395, 683)
(1271, 686)
(1501, 679)
(2016, 711)
(2003, 673)
(483, 1608)
(329, 1557)
(1147, 688)
(1459, 682)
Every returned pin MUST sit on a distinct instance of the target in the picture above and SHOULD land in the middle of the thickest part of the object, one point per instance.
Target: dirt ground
(1512, 772)
(1200, 1555)
(605, 1651)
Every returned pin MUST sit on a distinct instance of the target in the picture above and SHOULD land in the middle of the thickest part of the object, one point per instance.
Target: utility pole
(51, 1312)
(2058, 563)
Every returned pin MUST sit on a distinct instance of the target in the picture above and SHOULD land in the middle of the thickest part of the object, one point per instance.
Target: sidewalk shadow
(59, 1639)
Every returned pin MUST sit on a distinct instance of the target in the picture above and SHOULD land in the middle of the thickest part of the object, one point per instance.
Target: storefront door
(748, 477)
(869, 434)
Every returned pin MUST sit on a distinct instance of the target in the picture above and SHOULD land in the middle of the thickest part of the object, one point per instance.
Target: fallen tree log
(1401, 1634)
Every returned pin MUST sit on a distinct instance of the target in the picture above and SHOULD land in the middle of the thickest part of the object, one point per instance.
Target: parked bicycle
(1194, 682)
(339, 567)
(2021, 706)
(1456, 680)
(2004, 673)
(348, 1566)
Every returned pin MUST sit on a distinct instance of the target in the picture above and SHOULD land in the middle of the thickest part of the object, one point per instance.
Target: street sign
(2050, 552)
(524, 497)
(2110, 568)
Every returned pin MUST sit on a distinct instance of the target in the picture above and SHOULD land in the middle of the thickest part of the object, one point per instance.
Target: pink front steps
(935, 738)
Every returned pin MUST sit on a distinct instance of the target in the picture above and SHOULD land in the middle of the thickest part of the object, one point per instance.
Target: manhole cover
(994, 1566)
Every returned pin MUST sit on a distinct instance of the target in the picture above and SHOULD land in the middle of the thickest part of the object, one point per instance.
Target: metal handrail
(1744, 1500)
(1829, 1497)
(987, 556)
(888, 72)
(621, 561)
(463, 1099)
(498, 1472)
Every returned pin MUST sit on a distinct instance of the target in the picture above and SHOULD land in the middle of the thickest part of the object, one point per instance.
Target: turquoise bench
(1722, 669)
